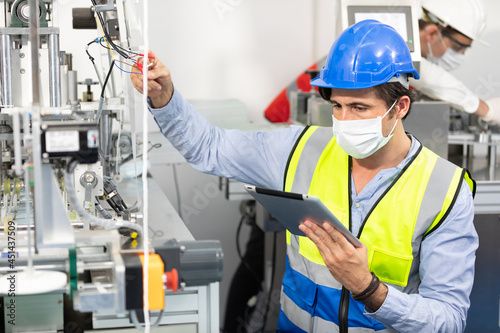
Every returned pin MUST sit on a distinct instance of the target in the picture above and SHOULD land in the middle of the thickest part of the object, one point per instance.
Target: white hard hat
(465, 16)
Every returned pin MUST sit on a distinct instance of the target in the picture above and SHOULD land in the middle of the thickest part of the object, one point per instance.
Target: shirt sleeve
(437, 83)
(442, 301)
(257, 158)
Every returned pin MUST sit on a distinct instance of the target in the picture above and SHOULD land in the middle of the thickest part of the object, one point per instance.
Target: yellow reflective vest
(412, 207)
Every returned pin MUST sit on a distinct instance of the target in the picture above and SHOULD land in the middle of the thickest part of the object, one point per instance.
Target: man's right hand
(160, 86)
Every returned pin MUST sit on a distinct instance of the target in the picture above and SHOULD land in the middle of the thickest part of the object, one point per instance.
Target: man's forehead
(354, 94)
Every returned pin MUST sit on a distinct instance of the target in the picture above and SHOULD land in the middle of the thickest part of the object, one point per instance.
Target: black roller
(83, 18)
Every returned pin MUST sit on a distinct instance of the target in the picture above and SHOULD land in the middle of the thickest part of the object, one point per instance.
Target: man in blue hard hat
(411, 209)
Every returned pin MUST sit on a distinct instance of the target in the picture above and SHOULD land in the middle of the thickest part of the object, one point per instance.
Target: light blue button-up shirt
(447, 255)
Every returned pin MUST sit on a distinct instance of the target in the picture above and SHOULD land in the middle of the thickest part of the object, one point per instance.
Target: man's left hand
(347, 264)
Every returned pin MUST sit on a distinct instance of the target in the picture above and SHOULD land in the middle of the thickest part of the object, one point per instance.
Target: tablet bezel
(291, 209)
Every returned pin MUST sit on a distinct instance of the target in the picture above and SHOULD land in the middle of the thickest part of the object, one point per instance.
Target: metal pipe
(16, 124)
(492, 160)
(64, 78)
(72, 86)
(6, 69)
(105, 128)
(35, 45)
(54, 71)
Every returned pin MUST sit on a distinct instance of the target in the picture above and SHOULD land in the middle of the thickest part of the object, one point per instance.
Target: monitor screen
(398, 17)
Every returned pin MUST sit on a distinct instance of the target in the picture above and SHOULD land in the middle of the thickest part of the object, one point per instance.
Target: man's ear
(402, 106)
(431, 32)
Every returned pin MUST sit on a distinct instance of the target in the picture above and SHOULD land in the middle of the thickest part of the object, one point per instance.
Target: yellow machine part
(156, 294)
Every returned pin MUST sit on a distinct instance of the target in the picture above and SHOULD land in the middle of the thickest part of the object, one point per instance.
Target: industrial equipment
(74, 251)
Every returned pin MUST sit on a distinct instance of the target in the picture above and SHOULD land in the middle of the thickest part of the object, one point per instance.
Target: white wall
(244, 49)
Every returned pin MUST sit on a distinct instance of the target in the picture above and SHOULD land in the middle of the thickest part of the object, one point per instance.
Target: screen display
(395, 20)
(398, 17)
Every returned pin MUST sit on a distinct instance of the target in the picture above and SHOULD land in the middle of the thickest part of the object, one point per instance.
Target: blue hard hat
(366, 54)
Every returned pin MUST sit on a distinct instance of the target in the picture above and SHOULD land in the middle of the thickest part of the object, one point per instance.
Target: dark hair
(389, 92)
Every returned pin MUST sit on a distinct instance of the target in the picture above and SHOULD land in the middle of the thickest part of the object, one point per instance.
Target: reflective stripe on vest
(293, 319)
(427, 187)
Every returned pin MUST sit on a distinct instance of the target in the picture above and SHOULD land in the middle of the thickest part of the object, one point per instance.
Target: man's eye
(359, 108)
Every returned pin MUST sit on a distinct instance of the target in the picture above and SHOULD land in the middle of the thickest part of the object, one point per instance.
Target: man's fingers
(336, 235)
(152, 85)
(160, 72)
(315, 233)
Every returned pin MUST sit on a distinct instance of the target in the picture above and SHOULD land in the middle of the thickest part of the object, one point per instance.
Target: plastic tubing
(104, 223)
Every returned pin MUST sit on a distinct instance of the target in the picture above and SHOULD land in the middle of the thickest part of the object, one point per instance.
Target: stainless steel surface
(95, 300)
(72, 86)
(492, 161)
(16, 128)
(35, 45)
(6, 70)
(54, 71)
(105, 138)
(52, 225)
(24, 32)
(164, 222)
(429, 121)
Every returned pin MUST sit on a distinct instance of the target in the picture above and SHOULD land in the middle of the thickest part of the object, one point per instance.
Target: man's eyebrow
(353, 104)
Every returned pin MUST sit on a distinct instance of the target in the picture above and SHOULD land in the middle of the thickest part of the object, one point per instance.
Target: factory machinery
(73, 251)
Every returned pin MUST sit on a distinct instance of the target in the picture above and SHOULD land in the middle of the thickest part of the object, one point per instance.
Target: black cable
(107, 78)
(70, 167)
(103, 44)
(344, 311)
(106, 34)
(127, 50)
(243, 261)
(101, 210)
(92, 58)
(266, 306)
(101, 99)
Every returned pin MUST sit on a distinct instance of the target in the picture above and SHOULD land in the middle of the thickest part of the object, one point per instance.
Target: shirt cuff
(392, 310)
(171, 109)
(470, 103)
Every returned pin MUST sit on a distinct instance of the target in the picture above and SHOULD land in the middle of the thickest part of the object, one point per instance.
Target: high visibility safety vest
(411, 208)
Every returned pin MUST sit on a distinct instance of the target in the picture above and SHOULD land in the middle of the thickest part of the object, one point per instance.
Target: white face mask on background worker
(361, 138)
(450, 60)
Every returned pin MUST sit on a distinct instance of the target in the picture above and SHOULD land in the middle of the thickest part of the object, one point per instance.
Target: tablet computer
(291, 209)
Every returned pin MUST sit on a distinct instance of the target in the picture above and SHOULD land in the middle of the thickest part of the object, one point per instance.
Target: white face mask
(449, 61)
(361, 138)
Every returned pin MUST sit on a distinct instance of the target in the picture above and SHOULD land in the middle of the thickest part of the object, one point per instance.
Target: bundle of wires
(130, 57)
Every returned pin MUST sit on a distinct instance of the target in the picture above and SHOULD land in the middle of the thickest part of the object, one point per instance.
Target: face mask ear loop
(389, 109)
(442, 40)
(393, 127)
(392, 130)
